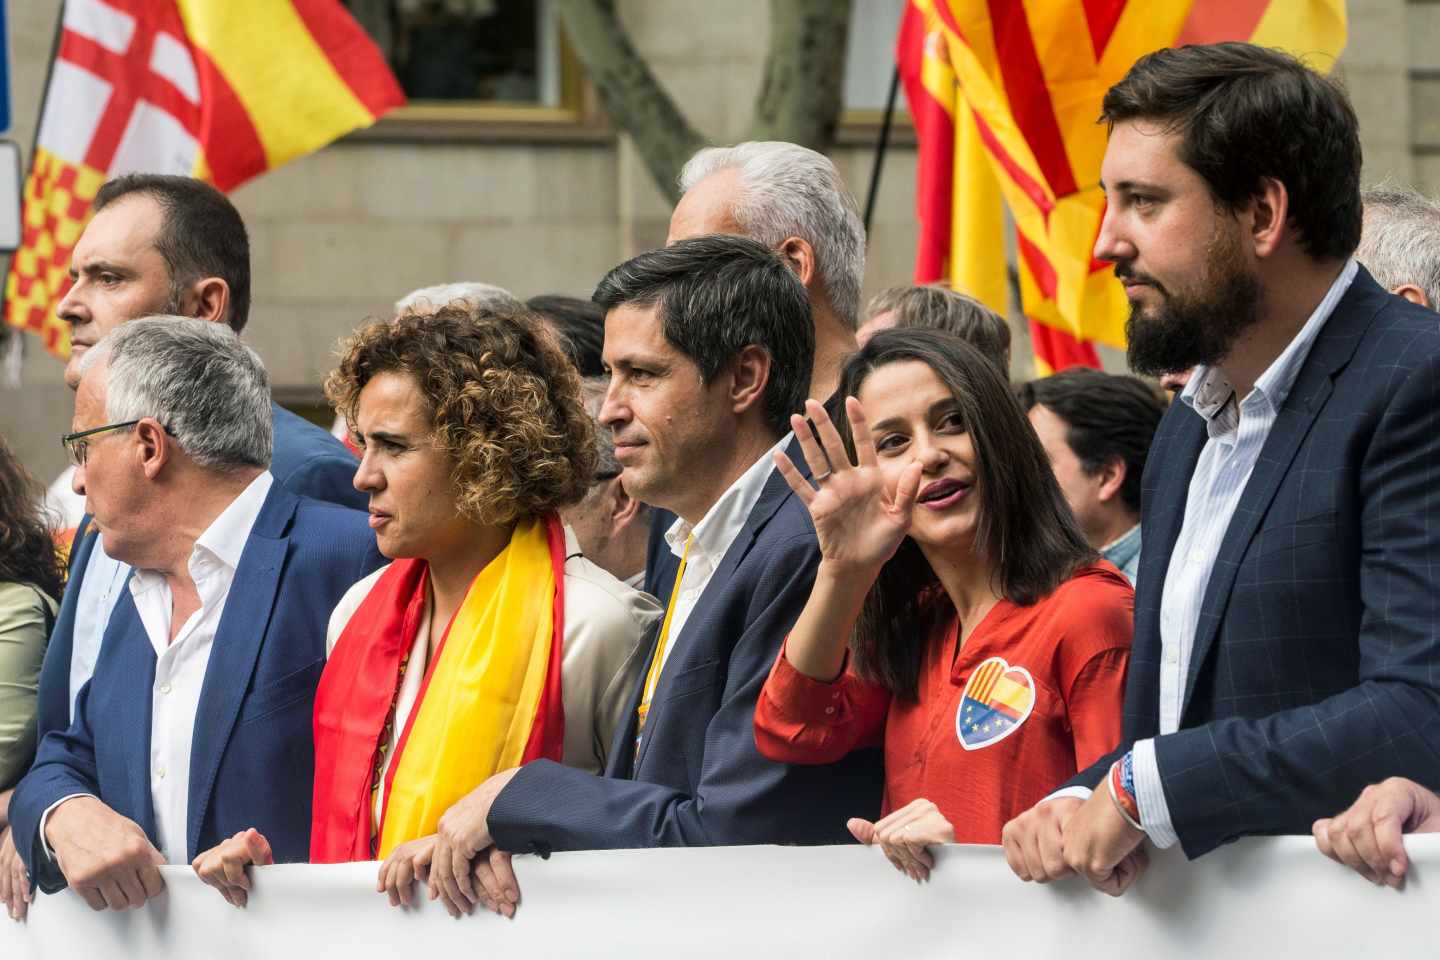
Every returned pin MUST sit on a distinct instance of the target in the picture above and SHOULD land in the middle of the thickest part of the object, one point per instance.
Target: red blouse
(1033, 696)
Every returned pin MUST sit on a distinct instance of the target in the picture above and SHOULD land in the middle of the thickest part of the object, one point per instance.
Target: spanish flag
(1005, 96)
(217, 89)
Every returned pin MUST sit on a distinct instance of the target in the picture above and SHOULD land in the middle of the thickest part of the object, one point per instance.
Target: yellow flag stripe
(1314, 31)
(268, 56)
(977, 252)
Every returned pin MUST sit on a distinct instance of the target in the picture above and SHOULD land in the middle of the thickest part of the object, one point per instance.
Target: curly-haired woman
(489, 640)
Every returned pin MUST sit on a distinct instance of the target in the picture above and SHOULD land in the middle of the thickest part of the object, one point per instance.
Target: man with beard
(1287, 611)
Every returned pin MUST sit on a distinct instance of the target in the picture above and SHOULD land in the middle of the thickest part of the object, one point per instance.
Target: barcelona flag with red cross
(217, 89)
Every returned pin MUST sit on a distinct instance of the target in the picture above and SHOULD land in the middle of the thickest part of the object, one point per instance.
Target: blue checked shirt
(1237, 434)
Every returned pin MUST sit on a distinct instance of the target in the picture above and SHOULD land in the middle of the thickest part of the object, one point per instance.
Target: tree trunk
(800, 97)
(635, 99)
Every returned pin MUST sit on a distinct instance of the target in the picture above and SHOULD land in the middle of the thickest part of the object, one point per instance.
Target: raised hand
(859, 523)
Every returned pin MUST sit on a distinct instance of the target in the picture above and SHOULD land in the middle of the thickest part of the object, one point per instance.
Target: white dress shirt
(1237, 434)
(605, 622)
(714, 534)
(180, 664)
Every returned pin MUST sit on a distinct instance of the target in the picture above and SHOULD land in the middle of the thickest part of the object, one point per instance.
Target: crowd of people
(716, 557)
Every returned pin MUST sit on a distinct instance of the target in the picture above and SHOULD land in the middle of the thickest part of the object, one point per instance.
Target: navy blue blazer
(252, 763)
(698, 779)
(1316, 665)
(305, 460)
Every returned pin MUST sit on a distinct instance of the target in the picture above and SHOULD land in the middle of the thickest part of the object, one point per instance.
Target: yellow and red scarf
(489, 701)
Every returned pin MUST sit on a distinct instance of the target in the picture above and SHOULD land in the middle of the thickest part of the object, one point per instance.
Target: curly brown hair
(505, 401)
(27, 548)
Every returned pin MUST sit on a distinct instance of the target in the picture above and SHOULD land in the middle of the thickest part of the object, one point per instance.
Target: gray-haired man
(792, 200)
(1400, 243)
(196, 723)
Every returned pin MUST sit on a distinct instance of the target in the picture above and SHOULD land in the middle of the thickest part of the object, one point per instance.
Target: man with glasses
(196, 723)
(157, 245)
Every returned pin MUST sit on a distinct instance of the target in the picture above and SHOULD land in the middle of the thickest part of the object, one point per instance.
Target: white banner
(1272, 898)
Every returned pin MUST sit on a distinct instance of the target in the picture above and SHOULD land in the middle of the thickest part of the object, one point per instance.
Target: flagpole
(880, 148)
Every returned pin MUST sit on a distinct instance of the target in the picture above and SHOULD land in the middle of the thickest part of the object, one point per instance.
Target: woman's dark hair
(27, 549)
(1024, 525)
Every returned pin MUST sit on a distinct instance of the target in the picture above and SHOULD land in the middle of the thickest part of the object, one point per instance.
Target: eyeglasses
(78, 446)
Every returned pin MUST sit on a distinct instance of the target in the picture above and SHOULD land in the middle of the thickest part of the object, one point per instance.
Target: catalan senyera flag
(1005, 94)
(218, 89)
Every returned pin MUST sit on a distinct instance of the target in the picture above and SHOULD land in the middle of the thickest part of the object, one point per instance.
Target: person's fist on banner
(16, 891)
(906, 835)
(1366, 837)
(499, 890)
(1033, 843)
(223, 866)
(408, 864)
(461, 835)
(106, 858)
(1102, 847)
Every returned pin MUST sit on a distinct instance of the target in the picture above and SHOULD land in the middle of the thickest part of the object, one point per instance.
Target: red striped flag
(1007, 78)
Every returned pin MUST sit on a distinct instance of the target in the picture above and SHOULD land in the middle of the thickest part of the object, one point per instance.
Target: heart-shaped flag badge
(997, 700)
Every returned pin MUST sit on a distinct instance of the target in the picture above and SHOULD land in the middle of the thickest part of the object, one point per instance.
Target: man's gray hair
(208, 390)
(473, 294)
(790, 191)
(1400, 241)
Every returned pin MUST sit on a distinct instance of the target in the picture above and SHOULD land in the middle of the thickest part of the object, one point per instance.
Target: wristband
(1124, 802)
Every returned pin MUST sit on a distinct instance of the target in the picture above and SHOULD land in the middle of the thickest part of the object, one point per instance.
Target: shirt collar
(1123, 548)
(1208, 390)
(223, 541)
(724, 520)
(225, 538)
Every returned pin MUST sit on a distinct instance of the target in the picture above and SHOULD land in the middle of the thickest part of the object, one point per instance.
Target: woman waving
(958, 616)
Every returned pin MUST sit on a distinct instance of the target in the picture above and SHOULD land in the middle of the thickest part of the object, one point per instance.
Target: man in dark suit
(197, 720)
(1287, 613)
(708, 344)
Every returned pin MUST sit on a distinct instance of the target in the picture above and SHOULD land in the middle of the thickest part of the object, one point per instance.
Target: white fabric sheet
(1258, 898)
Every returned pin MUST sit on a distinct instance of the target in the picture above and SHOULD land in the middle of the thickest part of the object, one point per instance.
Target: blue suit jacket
(698, 780)
(252, 763)
(1316, 665)
(305, 460)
